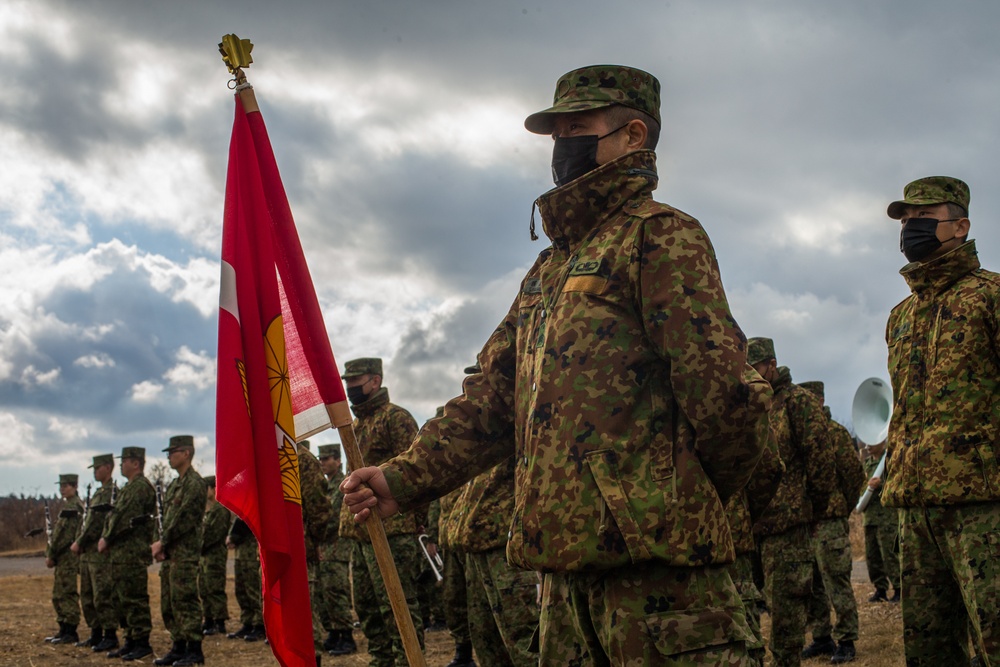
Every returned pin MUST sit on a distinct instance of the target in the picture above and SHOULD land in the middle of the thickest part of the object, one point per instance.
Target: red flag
(275, 362)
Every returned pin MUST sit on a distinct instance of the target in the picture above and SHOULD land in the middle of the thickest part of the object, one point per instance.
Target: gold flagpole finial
(235, 52)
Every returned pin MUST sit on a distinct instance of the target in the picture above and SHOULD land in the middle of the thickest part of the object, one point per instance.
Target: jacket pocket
(603, 465)
(699, 630)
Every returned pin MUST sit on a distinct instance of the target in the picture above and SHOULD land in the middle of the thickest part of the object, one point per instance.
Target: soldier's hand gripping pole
(340, 416)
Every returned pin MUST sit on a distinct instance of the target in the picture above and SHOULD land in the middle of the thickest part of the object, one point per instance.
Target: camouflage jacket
(745, 508)
(214, 528)
(91, 529)
(333, 547)
(850, 474)
(617, 381)
(875, 513)
(488, 503)
(452, 513)
(183, 516)
(383, 431)
(129, 526)
(317, 512)
(944, 361)
(241, 537)
(800, 426)
(67, 525)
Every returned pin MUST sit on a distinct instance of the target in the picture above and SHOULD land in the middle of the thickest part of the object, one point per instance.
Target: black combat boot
(895, 596)
(241, 633)
(208, 627)
(345, 643)
(140, 649)
(194, 656)
(878, 596)
(68, 636)
(220, 627)
(844, 653)
(57, 634)
(463, 656)
(177, 651)
(96, 634)
(256, 634)
(820, 646)
(125, 648)
(332, 637)
(107, 643)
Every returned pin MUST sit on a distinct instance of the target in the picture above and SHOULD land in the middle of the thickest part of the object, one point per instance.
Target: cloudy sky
(788, 127)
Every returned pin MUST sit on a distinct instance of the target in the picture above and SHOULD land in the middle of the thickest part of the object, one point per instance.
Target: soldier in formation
(127, 537)
(881, 525)
(335, 563)
(58, 555)
(317, 513)
(454, 593)
(212, 565)
(246, 582)
(178, 549)
(96, 583)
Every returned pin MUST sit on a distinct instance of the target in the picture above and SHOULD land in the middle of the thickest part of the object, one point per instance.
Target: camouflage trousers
(316, 604)
(832, 583)
(212, 585)
(881, 555)
(248, 590)
(787, 560)
(65, 598)
(950, 571)
(646, 614)
(454, 594)
(372, 602)
(335, 595)
(429, 595)
(97, 592)
(742, 574)
(503, 609)
(179, 603)
(131, 588)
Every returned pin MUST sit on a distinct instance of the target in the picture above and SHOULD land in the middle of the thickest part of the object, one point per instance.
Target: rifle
(159, 508)
(86, 508)
(48, 527)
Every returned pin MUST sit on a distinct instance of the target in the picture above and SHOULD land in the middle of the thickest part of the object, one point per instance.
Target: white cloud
(146, 391)
(32, 377)
(193, 370)
(68, 430)
(17, 446)
(101, 360)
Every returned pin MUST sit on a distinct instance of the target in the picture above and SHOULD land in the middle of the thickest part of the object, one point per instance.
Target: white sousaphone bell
(870, 413)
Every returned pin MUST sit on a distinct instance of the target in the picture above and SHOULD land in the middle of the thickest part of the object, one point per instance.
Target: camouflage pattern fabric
(618, 377)
(850, 474)
(183, 519)
(939, 546)
(942, 465)
(212, 565)
(650, 614)
(487, 505)
(317, 513)
(428, 590)
(372, 602)
(455, 595)
(945, 369)
(502, 609)
(881, 533)
(65, 598)
(383, 430)
(742, 575)
(832, 582)
(96, 585)
(247, 581)
(180, 606)
(335, 565)
(129, 534)
(787, 559)
(928, 191)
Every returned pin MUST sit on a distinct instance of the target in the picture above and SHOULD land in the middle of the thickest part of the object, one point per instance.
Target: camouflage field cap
(439, 412)
(474, 368)
(596, 87)
(103, 460)
(209, 480)
(133, 453)
(329, 450)
(180, 442)
(364, 366)
(68, 479)
(305, 443)
(929, 191)
(814, 386)
(759, 349)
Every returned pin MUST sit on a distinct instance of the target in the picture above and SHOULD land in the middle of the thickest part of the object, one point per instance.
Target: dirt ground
(26, 617)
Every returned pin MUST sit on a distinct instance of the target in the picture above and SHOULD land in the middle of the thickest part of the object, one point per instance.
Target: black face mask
(357, 395)
(918, 237)
(572, 157)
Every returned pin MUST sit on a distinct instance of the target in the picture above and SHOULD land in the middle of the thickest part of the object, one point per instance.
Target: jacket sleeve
(766, 476)
(809, 425)
(189, 511)
(850, 472)
(687, 319)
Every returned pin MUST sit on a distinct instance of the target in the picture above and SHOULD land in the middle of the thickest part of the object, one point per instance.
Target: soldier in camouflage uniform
(429, 589)
(335, 563)
(178, 549)
(128, 534)
(454, 576)
(96, 584)
(65, 598)
(832, 544)
(317, 514)
(246, 581)
(881, 532)
(941, 472)
(617, 381)
(383, 430)
(212, 565)
(800, 427)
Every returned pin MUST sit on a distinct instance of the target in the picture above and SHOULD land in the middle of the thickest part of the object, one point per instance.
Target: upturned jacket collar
(571, 212)
(940, 273)
(378, 398)
(784, 380)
